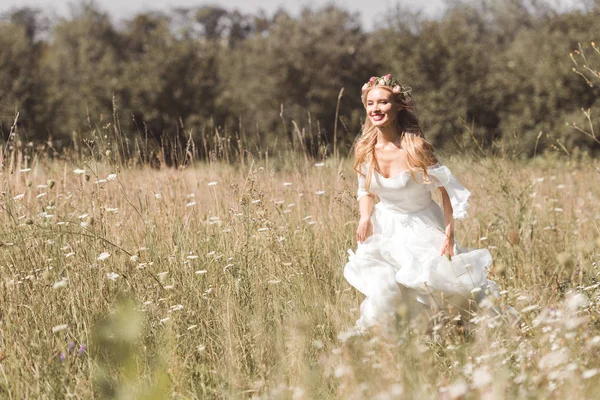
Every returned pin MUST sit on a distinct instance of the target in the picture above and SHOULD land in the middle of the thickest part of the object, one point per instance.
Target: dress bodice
(408, 193)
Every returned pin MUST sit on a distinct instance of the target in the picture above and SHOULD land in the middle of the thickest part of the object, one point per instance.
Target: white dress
(400, 264)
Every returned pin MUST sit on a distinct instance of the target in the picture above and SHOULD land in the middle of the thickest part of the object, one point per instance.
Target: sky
(370, 11)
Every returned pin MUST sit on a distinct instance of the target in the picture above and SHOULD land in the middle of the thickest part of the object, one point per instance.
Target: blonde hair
(419, 150)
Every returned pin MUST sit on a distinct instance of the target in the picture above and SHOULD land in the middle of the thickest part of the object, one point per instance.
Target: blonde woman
(407, 257)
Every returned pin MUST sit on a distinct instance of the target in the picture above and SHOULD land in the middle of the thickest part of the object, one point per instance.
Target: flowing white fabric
(401, 263)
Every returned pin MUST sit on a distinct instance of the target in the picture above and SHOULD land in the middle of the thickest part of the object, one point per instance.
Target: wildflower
(161, 275)
(576, 301)
(458, 389)
(344, 336)
(481, 378)
(158, 196)
(320, 164)
(26, 170)
(19, 196)
(71, 346)
(553, 359)
(214, 183)
(263, 229)
(287, 184)
(320, 192)
(191, 204)
(529, 308)
(100, 181)
(298, 393)
(59, 328)
(164, 320)
(341, 370)
(62, 357)
(112, 276)
(81, 349)
(111, 177)
(255, 201)
(590, 373)
(79, 171)
(103, 256)
(60, 284)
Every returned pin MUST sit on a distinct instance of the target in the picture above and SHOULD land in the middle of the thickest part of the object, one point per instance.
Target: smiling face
(382, 107)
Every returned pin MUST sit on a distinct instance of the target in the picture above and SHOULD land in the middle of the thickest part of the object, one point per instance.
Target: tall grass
(224, 280)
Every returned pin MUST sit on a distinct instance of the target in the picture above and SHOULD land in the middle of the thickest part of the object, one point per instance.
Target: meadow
(224, 280)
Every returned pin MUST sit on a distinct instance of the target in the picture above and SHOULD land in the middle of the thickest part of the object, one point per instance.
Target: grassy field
(225, 281)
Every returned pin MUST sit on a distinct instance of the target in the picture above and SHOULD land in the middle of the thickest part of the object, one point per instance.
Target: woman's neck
(388, 134)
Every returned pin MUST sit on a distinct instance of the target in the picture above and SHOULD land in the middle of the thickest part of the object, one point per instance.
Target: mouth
(377, 117)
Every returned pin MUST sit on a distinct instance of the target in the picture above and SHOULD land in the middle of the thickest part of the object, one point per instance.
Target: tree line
(486, 69)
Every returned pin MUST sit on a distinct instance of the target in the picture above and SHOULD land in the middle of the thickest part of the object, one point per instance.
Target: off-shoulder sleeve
(459, 195)
(362, 192)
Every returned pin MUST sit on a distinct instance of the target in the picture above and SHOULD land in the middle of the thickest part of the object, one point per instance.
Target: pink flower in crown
(372, 80)
(388, 77)
(396, 89)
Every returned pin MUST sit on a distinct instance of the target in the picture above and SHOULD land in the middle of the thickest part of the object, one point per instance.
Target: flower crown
(387, 80)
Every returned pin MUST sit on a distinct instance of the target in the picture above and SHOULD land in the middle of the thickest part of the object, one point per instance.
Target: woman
(406, 256)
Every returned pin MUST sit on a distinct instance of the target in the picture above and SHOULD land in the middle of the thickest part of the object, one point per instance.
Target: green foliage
(500, 68)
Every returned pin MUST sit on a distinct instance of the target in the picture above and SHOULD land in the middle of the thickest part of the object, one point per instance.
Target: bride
(407, 256)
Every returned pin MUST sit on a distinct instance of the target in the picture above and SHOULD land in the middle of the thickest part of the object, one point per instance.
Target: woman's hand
(364, 230)
(448, 246)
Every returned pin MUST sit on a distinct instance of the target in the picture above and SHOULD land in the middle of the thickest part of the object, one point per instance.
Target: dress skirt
(400, 265)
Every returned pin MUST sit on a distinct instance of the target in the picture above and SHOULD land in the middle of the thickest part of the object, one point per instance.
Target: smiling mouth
(377, 117)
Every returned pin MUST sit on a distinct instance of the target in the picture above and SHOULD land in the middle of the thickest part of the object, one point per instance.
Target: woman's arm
(365, 227)
(448, 245)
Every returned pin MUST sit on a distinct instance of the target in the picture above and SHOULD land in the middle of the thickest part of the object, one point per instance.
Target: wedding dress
(400, 265)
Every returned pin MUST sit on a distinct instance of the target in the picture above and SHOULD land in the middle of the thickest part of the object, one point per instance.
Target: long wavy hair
(419, 150)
